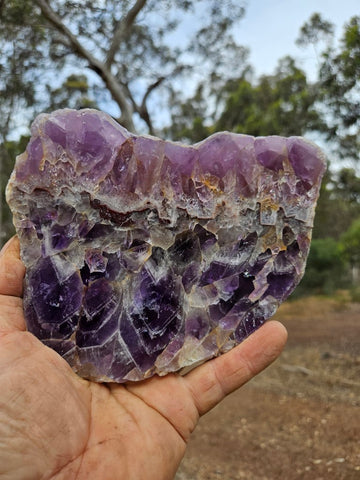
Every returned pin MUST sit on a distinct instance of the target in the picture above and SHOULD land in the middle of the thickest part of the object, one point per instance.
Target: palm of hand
(55, 425)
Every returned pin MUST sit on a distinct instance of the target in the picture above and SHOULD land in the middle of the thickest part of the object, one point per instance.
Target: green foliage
(127, 48)
(281, 104)
(315, 30)
(73, 93)
(188, 119)
(339, 84)
(8, 153)
(287, 103)
(22, 45)
(334, 259)
(350, 243)
(132, 57)
(326, 270)
(338, 205)
(128, 56)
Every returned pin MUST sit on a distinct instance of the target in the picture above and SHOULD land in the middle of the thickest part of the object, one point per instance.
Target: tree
(8, 152)
(73, 93)
(132, 49)
(326, 268)
(188, 119)
(314, 31)
(17, 68)
(350, 248)
(151, 65)
(130, 58)
(339, 203)
(278, 104)
(287, 103)
(339, 82)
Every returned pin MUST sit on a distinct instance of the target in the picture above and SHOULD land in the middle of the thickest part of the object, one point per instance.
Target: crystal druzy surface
(145, 256)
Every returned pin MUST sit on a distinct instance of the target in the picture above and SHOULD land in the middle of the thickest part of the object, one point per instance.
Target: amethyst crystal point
(145, 256)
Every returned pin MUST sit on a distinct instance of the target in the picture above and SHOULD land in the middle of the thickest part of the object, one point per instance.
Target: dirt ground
(300, 419)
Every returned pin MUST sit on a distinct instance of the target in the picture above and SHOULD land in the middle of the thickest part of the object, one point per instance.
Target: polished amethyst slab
(145, 256)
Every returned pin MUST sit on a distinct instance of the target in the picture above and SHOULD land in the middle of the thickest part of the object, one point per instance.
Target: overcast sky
(270, 28)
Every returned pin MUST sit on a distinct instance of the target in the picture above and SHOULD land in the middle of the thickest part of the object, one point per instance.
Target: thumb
(12, 270)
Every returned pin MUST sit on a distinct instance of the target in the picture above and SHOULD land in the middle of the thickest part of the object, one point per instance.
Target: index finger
(212, 381)
(12, 269)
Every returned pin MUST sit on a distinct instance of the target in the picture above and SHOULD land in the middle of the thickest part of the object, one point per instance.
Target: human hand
(55, 425)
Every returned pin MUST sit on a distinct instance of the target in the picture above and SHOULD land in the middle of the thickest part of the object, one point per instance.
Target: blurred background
(182, 70)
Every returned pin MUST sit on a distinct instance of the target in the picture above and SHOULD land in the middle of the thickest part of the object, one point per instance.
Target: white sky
(270, 28)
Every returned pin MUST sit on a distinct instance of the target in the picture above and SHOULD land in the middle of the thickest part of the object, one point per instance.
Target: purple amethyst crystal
(145, 256)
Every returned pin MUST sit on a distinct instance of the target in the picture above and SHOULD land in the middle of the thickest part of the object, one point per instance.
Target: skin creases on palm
(56, 425)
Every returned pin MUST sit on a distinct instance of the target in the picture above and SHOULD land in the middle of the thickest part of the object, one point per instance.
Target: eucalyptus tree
(143, 54)
(338, 81)
(137, 59)
(283, 103)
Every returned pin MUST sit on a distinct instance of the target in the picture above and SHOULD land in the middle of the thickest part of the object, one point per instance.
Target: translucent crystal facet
(145, 256)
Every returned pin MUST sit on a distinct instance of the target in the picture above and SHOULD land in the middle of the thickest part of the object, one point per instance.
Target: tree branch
(143, 110)
(125, 86)
(97, 66)
(122, 29)
(56, 21)
(150, 89)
